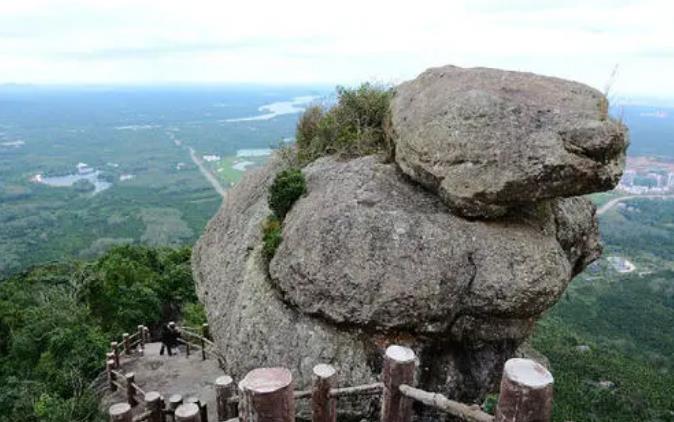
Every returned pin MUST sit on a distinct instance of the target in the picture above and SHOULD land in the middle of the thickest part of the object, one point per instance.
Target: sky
(335, 42)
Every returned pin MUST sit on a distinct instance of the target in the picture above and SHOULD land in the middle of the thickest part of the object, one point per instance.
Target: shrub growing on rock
(353, 127)
(271, 236)
(287, 187)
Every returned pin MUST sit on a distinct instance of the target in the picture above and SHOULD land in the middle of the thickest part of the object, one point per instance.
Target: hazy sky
(334, 41)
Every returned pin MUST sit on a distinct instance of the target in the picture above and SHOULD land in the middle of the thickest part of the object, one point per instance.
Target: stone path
(169, 375)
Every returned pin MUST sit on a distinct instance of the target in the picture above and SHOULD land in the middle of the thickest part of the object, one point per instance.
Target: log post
(399, 366)
(141, 336)
(120, 412)
(187, 348)
(110, 356)
(109, 366)
(224, 389)
(127, 344)
(130, 389)
(205, 331)
(188, 412)
(153, 403)
(526, 392)
(174, 401)
(203, 412)
(115, 350)
(323, 407)
(266, 395)
(148, 338)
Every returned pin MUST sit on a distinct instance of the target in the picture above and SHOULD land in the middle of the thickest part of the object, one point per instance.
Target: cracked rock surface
(488, 140)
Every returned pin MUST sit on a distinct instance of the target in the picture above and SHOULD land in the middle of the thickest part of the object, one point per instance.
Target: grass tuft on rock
(353, 127)
(271, 236)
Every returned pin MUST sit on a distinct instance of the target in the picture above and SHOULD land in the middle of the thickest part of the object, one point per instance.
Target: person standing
(169, 338)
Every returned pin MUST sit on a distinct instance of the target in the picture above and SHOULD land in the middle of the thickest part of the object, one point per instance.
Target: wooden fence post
(120, 412)
(188, 412)
(109, 365)
(141, 336)
(130, 389)
(266, 395)
(115, 350)
(399, 366)
(154, 405)
(204, 335)
(127, 344)
(224, 389)
(110, 356)
(187, 348)
(203, 412)
(526, 392)
(205, 331)
(323, 407)
(174, 401)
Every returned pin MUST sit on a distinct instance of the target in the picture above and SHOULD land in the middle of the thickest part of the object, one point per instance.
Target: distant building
(670, 180)
(628, 177)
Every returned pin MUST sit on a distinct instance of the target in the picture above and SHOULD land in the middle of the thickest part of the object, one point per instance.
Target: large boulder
(367, 248)
(488, 140)
(381, 252)
(369, 259)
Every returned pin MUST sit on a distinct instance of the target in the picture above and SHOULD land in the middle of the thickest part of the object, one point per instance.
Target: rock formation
(381, 252)
(487, 140)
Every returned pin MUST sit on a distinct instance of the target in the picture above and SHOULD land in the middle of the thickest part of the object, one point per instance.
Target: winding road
(610, 204)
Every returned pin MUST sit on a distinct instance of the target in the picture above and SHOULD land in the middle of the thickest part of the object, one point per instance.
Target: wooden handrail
(440, 402)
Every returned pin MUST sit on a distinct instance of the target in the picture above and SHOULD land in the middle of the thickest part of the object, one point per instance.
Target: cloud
(303, 41)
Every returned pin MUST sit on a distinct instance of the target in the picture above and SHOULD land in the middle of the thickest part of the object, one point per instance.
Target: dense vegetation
(618, 328)
(354, 126)
(56, 322)
(288, 186)
(139, 132)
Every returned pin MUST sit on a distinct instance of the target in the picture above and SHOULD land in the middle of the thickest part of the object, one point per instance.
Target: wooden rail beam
(440, 402)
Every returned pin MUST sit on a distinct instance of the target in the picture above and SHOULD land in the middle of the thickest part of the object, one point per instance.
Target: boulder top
(488, 140)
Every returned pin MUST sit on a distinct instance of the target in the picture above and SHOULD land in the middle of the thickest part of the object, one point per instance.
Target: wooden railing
(156, 409)
(267, 395)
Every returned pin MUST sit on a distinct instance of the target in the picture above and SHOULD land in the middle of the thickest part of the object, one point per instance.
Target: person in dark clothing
(169, 338)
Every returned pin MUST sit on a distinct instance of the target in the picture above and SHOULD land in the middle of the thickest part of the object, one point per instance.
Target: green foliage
(56, 322)
(194, 314)
(354, 126)
(642, 392)
(137, 284)
(271, 236)
(287, 188)
(489, 404)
